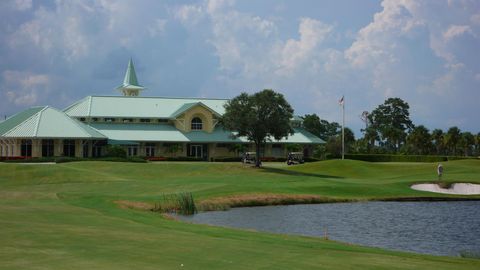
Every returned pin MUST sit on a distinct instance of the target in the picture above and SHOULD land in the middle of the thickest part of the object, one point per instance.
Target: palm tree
(438, 141)
(451, 140)
(467, 141)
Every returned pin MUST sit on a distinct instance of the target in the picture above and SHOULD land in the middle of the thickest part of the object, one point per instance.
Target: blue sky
(425, 52)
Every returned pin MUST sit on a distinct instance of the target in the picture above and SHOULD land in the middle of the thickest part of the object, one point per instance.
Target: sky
(313, 52)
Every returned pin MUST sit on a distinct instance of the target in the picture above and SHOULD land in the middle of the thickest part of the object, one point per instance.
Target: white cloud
(189, 14)
(295, 52)
(157, 28)
(24, 88)
(455, 31)
(22, 5)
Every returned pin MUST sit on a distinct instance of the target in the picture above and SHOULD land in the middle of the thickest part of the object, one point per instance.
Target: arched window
(197, 123)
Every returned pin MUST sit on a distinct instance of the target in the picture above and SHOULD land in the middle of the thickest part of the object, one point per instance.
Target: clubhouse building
(152, 127)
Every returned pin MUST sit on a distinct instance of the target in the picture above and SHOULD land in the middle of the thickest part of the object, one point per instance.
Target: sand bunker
(457, 188)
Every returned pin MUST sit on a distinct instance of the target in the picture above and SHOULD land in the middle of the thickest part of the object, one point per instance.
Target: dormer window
(197, 124)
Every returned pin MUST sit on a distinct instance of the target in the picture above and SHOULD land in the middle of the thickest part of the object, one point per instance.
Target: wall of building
(184, 121)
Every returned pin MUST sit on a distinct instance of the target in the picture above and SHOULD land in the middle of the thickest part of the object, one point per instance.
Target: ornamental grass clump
(178, 203)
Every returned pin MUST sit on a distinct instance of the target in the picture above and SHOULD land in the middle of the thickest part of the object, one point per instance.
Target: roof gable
(17, 119)
(188, 106)
(51, 123)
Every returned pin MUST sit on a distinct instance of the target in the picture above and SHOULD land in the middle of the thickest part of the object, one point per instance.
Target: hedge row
(174, 159)
(73, 159)
(400, 158)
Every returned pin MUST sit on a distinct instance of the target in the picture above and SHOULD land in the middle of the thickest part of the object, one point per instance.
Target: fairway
(63, 215)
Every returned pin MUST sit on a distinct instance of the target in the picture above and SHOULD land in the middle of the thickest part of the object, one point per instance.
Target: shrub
(227, 159)
(115, 151)
(29, 160)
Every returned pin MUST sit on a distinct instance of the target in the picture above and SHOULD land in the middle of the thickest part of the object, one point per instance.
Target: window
(69, 148)
(47, 148)
(162, 120)
(95, 119)
(144, 120)
(132, 150)
(150, 149)
(109, 119)
(82, 119)
(197, 124)
(127, 120)
(97, 148)
(26, 148)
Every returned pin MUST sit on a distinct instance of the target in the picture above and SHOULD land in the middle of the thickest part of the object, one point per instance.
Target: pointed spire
(130, 75)
(130, 86)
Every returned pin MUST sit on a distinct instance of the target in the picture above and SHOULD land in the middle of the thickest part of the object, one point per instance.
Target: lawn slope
(64, 216)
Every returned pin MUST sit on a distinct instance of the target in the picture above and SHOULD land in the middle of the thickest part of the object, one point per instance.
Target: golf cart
(295, 158)
(249, 157)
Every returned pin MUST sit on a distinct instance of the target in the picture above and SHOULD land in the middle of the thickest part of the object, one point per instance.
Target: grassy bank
(53, 216)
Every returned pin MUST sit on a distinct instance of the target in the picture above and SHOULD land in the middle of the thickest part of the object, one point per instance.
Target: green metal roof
(168, 133)
(17, 119)
(46, 122)
(130, 80)
(139, 107)
(301, 136)
(141, 132)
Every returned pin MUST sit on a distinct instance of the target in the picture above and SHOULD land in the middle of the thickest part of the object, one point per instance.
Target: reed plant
(178, 203)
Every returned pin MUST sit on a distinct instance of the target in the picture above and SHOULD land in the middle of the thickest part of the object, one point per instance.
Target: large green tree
(259, 117)
(334, 143)
(320, 127)
(392, 121)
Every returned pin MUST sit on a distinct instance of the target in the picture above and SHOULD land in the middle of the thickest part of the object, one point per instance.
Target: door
(196, 150)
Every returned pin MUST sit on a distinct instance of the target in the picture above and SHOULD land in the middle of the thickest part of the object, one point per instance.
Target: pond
(439, 228)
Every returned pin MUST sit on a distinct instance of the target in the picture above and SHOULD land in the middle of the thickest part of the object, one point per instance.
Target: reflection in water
(440, 228)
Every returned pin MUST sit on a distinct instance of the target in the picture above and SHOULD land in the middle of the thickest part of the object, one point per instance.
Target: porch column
(78, 148)
(36, 148)
(58, 148)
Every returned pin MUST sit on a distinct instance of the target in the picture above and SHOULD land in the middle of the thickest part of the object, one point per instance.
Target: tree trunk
(257, 160)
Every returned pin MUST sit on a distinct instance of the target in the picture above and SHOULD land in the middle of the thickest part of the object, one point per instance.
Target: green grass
(64, 216)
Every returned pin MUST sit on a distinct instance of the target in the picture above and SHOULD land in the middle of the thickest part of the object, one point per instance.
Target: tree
(391, 120)
(452, 138)
(319, 127)
(466, 142)
(259, 117)
(334, 143)
(419, 141)
(174, 148)
(237, 148)
(477, 144)
(438, 141)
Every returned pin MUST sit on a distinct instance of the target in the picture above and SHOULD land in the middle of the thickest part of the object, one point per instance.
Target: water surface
(439, 228)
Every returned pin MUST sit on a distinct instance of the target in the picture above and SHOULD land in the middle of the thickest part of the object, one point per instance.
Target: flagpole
(343, 129)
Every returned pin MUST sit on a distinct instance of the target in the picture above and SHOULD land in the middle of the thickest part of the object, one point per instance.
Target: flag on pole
(341, 101)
